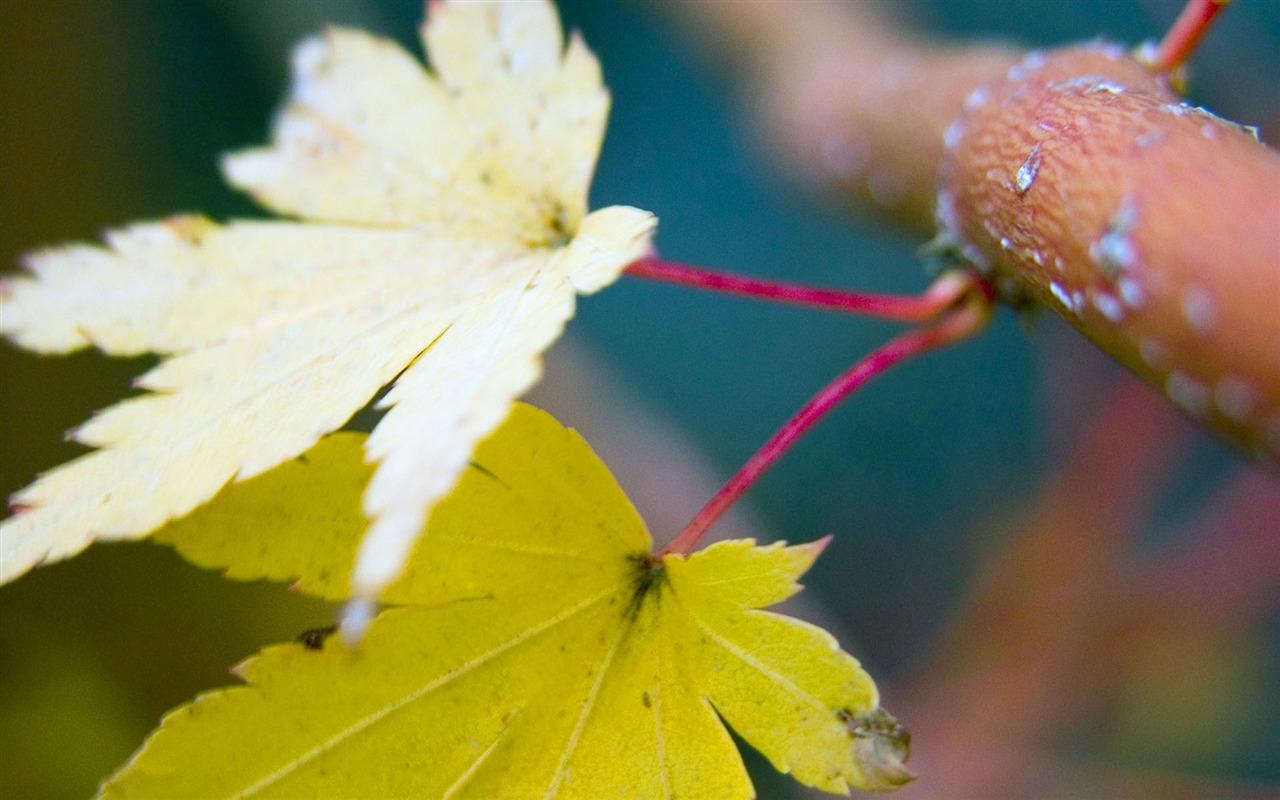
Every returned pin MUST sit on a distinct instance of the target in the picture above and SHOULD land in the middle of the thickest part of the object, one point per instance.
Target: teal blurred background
(115, 111)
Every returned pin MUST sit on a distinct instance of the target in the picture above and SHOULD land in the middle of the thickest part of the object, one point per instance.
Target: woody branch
(1076, 179)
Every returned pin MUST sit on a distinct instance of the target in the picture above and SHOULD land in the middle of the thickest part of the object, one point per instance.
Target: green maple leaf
(539, 650)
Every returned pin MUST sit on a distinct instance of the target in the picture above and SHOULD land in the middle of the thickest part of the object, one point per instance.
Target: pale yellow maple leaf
(445, 238)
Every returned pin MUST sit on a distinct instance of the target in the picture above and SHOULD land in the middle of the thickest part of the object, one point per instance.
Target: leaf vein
(386, 710)
(571, 745)
(745, 656)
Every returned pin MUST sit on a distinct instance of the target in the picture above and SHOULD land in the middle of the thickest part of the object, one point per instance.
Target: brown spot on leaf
(313, 638)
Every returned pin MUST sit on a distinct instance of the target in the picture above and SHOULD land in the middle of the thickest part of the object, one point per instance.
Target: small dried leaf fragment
(444, 238)
(539, 651)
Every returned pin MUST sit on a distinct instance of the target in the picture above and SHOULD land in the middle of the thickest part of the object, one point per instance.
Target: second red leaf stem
(956, 325)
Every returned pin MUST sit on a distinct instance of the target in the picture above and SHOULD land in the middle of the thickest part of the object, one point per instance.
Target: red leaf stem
(1185, 34)
(943, 294)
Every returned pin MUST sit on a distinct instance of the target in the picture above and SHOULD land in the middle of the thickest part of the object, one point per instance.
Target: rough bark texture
(1075, 178)
(1151, 226)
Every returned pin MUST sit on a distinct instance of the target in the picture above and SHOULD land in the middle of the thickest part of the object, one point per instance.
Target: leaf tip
(804, 555)
(241, 670)
(191, 229)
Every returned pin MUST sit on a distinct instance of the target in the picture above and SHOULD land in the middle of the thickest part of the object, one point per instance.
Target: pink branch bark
(1074, 178)
(1151, 226)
